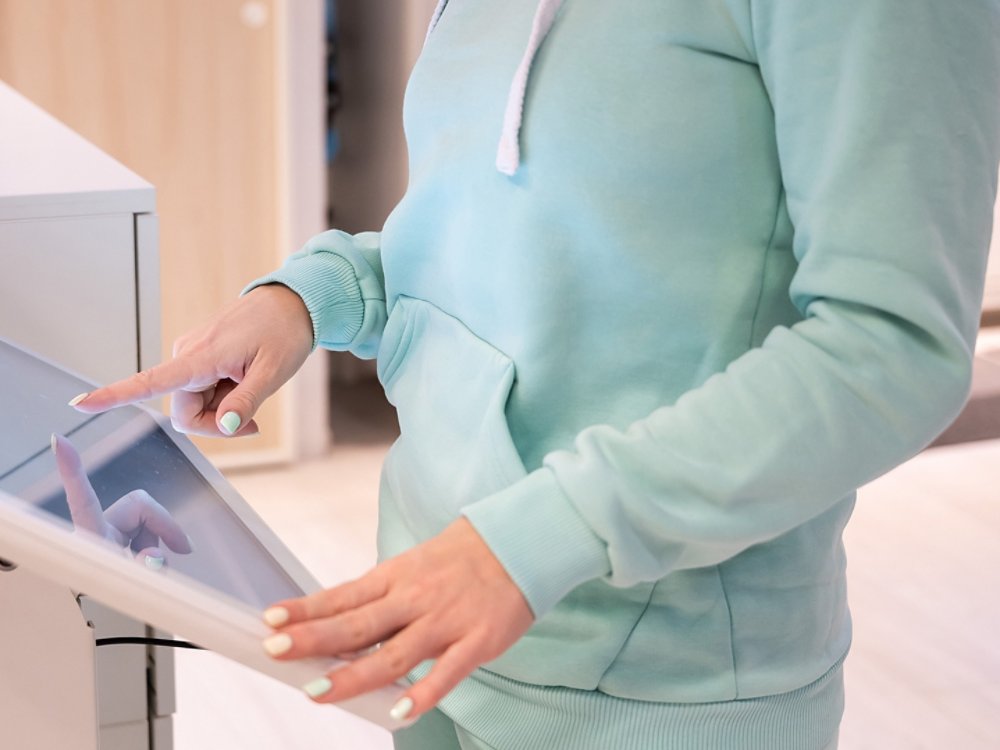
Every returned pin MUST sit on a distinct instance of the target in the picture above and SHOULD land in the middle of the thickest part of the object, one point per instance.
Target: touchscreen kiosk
(127, 488)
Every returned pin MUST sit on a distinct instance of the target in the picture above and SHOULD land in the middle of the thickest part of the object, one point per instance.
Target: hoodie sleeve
(339, 278)
(887, 124)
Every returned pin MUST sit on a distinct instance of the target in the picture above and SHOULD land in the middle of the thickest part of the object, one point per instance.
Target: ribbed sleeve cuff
(540, 539)
(328, 285)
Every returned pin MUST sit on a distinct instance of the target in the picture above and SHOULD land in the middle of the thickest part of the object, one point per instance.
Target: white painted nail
(53, 443)
(276, 616)
(402, 709)
(230, 422)
(77, 399)
(278, 644)
(154, 563)
(318, 687)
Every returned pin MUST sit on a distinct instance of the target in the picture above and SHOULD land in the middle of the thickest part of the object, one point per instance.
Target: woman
(723, 267)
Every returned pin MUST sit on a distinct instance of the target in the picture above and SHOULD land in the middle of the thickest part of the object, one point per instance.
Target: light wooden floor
(924, 573)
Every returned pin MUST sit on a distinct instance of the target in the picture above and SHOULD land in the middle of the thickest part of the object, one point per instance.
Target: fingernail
(230, 422)
(53, 443)
(402, 709)
(276, 616)
(154, 563)
(77, 399)
(318, 687)
(278, 644)
(190, 542)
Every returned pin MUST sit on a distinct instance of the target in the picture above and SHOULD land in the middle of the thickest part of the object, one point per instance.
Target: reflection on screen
(121, 451)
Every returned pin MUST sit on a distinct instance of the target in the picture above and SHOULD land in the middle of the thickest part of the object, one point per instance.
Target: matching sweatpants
(435, 731)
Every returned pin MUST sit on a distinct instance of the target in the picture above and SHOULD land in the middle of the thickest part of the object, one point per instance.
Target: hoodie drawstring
(435, 17)
(509, 148)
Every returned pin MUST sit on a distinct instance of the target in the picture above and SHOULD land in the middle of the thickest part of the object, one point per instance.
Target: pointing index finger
(157, 381)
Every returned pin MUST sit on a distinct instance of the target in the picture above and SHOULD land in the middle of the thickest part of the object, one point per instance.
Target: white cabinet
(78, 254)
(79, 284)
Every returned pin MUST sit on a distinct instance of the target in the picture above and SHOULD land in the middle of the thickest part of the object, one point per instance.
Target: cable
(168, 642)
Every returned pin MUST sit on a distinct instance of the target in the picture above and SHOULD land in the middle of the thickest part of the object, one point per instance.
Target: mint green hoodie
(735, 275)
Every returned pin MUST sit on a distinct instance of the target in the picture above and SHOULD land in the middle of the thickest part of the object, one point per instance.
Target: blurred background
(263, 122)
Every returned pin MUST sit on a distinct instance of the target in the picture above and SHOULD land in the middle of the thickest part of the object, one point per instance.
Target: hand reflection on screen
(135, 522)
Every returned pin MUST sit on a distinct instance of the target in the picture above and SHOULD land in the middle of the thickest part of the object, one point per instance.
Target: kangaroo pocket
(450, 390)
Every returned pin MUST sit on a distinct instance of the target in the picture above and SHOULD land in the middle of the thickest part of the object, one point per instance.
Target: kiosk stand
(79, 283)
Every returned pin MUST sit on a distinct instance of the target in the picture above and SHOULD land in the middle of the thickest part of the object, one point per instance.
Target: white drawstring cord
(509, 148)
(438, 10)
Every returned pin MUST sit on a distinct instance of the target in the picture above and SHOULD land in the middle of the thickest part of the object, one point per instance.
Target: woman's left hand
(447, 599)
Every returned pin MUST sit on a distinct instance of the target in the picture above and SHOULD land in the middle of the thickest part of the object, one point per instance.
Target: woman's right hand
(222, 372)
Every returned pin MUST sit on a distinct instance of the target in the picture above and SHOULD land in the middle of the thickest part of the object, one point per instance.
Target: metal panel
(67, 291)
(121, 670)
(133, 736)
(47, 667)
(147, 277)
(162, 687)
(162, 733)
